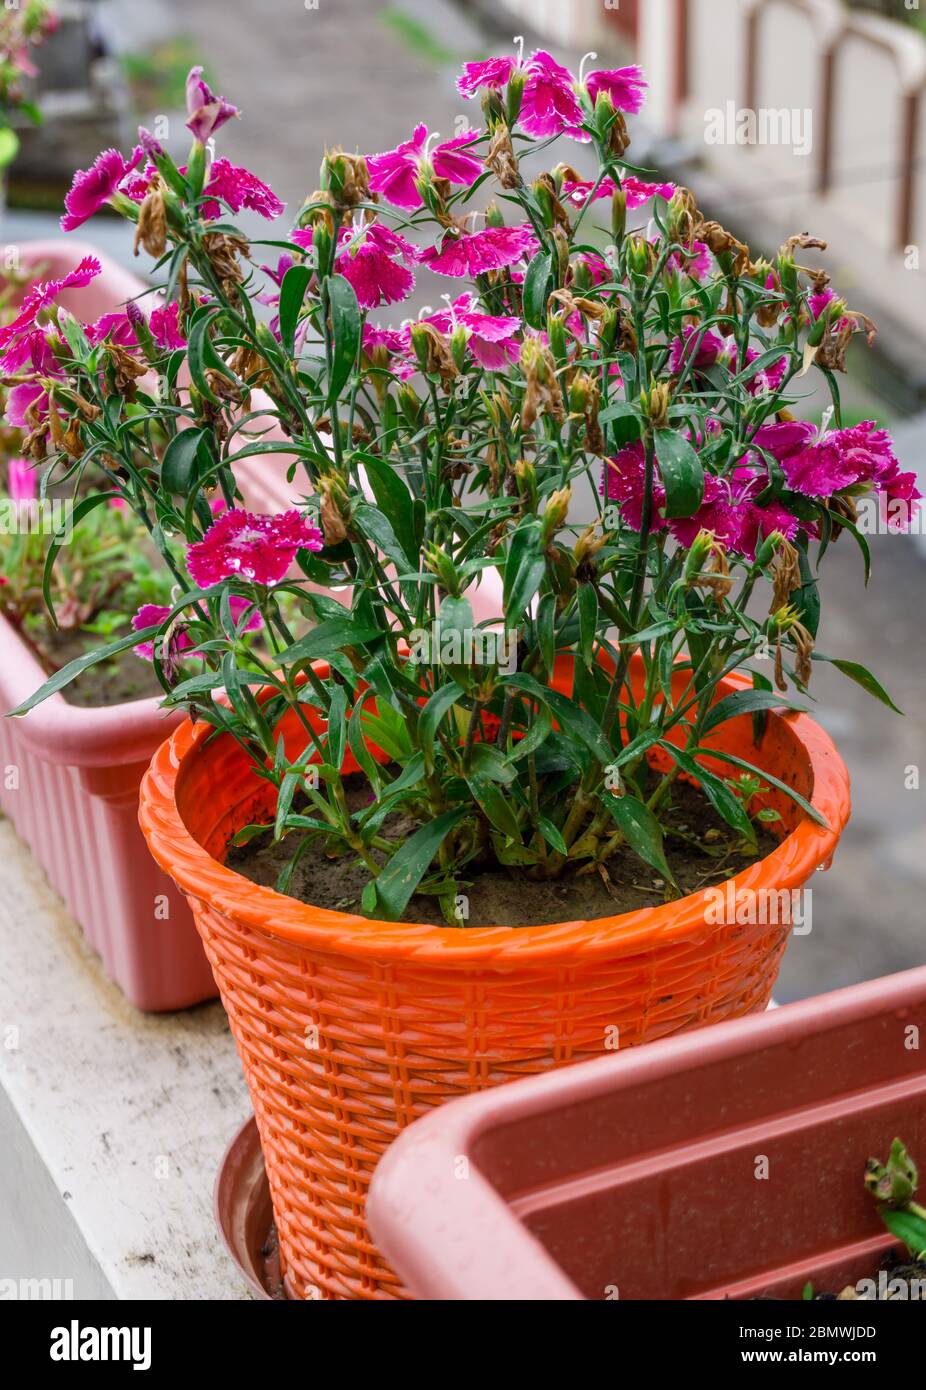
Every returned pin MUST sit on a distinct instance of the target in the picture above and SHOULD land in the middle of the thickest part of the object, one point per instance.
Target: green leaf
(537, 288)
(337, 726)
(908, 1227)
(641, 830)
(570, 717)
(495, 806)
(433, 713)
(552, 836)
(588, 622)
(80, 510)
(796, 797)
(807, 598)
(179, 469)
(329, 637)
(284, 801)
(489, 764)
(745, 702)
(862, 676)
(394, 499)
(82, 663)
(202, 355)
(525, 567)
(682, 474)
(725, 802)
(346, 323)
(405, 870)
(292, 297)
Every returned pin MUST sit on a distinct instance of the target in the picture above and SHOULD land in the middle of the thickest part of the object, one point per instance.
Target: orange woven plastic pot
(348, 1029)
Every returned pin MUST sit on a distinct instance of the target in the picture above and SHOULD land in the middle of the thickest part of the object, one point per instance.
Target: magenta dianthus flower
(153, 614)
(21, 480)
(207, 112)
(164, 326)
(478, 252)
(371, 257)
(258, 548)
(238, 188)
(396, 173)
(92, 188)
(626, 87)
(44, 293)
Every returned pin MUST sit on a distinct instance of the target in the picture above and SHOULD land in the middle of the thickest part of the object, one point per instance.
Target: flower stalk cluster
(645, 360)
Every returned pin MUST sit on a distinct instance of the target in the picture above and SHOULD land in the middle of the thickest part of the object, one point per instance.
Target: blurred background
(783, 115)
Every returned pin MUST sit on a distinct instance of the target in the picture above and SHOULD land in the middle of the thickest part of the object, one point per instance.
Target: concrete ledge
(112, 1122)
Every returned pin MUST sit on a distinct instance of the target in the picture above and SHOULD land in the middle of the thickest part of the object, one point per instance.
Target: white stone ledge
(112, 1122)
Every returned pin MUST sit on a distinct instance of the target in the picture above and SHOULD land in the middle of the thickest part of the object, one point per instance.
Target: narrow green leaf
(862, 676)
(537, 289)
(746, 702)
(682, 474)
(292, 297)
(724, 801)
(396, 884)
(641, 830)
(346, 323)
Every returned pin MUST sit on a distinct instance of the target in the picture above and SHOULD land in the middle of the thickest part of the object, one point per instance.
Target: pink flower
(489, 337)
(625, 86)
(239, 188)
(696, 263)
(394, 343)
(43, 294)
(638, 191)
(164, 325)
(115, 327)
(549, 105)
(729, 510)
(474, 254)
(494, 73)
(396, 173)
(784, 439)
(623, 480)
(29, 397)
(93, 187)
(153, 615)
(259, 548)
(21, 481)
(367, 260)
(703, 348)
(207, 112)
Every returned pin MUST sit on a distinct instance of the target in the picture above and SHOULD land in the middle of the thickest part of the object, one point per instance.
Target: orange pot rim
(798, 855)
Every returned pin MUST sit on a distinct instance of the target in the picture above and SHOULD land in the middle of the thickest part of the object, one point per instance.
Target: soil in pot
(704, 853)
(114, 682)
(896, 1279)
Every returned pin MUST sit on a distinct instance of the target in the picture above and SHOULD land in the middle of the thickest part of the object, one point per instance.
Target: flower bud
(555, 513)
(492, 107)
(409, 404)
(697, 556)
(618, 215)
(556, 334)
(458, 347)
(440, 563)
(655, 404)
(494, 215)
(604, 115)
(516, 84)
(321, 245)
(766, 550)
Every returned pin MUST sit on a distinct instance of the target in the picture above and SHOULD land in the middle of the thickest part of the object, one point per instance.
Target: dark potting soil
(700, 847)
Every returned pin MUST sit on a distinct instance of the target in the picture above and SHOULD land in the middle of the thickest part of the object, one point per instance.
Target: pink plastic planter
(69, 777)
(640, 1176)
